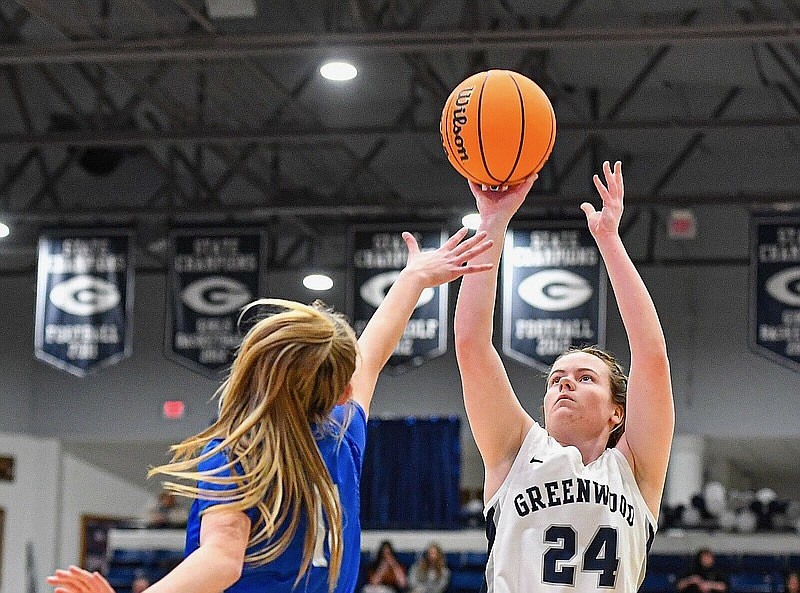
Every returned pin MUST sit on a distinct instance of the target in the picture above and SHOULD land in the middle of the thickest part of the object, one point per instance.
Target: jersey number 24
(600, 556)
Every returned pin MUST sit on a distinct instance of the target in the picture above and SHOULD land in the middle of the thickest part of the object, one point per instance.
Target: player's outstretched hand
(450, 261)
(606, 221)
(77, 580)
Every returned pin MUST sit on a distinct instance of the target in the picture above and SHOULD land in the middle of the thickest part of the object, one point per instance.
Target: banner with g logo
(775, 289)
(212, 274)
(554, 288)
(377, 254)
(84, 299)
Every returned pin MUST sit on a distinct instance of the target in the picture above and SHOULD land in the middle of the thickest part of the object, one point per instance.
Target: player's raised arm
(650, 416)
(488, 396)
(423, 269)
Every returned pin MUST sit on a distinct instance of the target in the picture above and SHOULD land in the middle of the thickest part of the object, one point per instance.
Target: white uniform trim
(557, 525)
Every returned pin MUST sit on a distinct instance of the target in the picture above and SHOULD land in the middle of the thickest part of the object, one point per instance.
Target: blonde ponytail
(290, 370)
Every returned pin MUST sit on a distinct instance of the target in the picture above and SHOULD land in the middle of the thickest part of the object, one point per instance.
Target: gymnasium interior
(149, 123)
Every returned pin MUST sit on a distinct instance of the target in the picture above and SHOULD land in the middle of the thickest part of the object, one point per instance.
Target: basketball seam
(546, 155)
(480, 132)
(521, 129)
(447, 135)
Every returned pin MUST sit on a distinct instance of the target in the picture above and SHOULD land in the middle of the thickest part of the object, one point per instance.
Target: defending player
(275, 480)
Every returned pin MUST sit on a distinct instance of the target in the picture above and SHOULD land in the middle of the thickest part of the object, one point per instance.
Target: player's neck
(590, 447)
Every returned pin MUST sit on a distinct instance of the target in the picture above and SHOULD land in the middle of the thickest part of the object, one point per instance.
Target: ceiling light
(338, 71)
(471, 220)
(4, 230)
(318, 282)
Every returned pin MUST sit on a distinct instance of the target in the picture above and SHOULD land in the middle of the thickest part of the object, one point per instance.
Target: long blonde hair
(288, 374)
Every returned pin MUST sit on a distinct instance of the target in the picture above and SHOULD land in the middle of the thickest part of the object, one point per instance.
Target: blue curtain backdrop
(412, 474)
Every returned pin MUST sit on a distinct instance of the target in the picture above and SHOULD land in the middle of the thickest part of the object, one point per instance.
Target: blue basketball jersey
(343, 458)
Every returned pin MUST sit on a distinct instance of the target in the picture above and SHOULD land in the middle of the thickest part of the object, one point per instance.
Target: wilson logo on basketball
(498, 127)
(460, 120)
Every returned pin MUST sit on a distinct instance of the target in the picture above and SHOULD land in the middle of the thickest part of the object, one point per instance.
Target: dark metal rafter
(693, 143)
(623, 98)
(328, 138)
(545, 202)
(319, 44)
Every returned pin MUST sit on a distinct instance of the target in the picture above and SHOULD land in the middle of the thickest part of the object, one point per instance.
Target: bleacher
(748, 573)
(466, 568)
(755, 564)
(126, 564)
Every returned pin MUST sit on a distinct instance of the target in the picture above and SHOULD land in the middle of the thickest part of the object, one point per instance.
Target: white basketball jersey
(557, 525)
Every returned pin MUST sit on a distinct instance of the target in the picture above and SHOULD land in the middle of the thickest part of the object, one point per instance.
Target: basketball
(498, 127)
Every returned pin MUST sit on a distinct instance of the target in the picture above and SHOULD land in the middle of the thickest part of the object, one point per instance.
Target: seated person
(792, 583)
(429, 574)
(166, 511)
(140, 583)
(386, 574)
(704, 576)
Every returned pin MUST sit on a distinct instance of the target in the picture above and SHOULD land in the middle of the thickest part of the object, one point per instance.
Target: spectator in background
(429, 574)
(166, 511)
(140, 583)
(792, 583)
(386, 574)
(704, 576)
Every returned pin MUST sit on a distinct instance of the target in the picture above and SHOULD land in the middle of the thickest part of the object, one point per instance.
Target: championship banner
(212, 274)
(554, 292)
(775, 289)
(84, 299)
(377, 255)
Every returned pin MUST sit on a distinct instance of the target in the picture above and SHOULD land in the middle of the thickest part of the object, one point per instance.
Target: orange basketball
(498, 127)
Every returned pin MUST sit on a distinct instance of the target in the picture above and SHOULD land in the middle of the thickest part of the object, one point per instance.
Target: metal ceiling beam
(63, 94)
(245, 212)
(249, 45)
(196, 16)
(291, 97)
(179, 115)
(622, 100)
(14, 23)
(791, 47)
(691, 145)
(45, 12)
(199, 180)
(322, 138)
(14, 173)
(147, 90)
(788, 96)
(25, 114)
(51, 181)
(564, 13)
